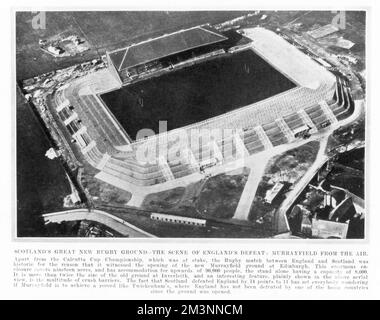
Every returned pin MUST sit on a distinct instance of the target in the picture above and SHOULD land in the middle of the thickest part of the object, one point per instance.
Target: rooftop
(165, 45)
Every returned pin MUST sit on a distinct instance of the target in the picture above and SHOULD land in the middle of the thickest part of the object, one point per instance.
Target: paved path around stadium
(282, 223)
(257, 168)
(111, 221)
(258, 163)
(139, 193)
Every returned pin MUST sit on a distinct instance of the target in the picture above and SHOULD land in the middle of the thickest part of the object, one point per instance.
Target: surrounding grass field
(103, 30)
(214, 197)
(288, 168)
(196, 93)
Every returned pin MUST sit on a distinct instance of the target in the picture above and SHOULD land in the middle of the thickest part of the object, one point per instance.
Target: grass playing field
(196, 93)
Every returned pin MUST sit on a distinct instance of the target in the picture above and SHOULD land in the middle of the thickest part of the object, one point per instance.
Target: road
(257, 170)
(258, 162)
(114, 223)
(282, 224)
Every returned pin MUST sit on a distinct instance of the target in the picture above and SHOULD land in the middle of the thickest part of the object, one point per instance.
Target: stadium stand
(145, 56)
(265, 124)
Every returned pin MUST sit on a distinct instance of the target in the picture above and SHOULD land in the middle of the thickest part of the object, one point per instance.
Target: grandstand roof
(165, 45)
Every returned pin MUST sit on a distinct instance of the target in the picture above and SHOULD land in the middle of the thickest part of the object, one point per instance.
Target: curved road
(109, 220)
(282, 222)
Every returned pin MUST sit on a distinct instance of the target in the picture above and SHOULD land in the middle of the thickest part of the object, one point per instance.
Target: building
(337, 216)
(127, 63)
(344, 211)
(55, 50)
(325, 229)
(302, 132)
(319, 98)
(274, 193)
(178, 219)
(52, 153)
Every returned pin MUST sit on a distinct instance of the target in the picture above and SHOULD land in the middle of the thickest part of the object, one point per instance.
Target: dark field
(103, 30)
(41, 183)
(196, 93)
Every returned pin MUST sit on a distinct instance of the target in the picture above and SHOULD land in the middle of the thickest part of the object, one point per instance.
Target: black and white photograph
(190, 158)
(191, 124)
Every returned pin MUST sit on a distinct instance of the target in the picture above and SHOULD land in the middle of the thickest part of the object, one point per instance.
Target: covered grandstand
(319, 100)
(127, 63)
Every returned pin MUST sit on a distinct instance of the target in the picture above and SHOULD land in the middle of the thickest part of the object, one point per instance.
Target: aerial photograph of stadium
(190, 124)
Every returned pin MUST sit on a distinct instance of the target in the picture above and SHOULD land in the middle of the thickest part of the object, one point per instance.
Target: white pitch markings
(263, 137)
(328, 112)
(306, 119)
(285, 129)
(163, 164)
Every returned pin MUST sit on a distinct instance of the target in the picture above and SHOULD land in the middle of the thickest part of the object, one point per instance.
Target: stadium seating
(260, 130)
